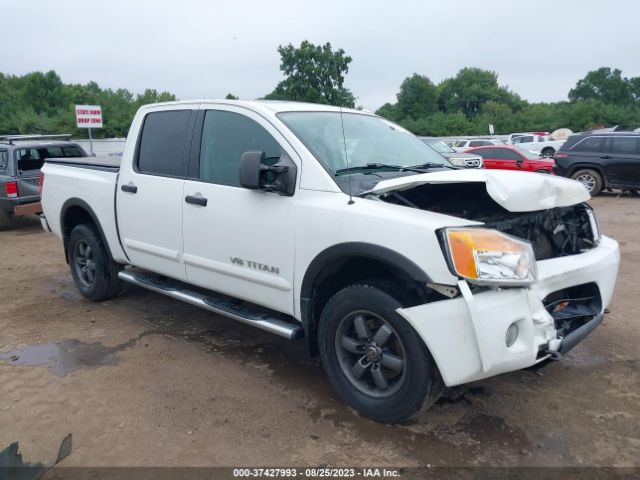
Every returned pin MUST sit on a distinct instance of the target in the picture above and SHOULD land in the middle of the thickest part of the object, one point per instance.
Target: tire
(397, 373)
(548, 152)
(5, 220)
(590, 179)
(93, 271)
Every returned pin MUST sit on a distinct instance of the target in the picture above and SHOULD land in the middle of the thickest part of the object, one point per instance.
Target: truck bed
(109, 164)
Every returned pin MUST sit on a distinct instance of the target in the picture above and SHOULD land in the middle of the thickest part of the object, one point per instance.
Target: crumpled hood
(515, 191)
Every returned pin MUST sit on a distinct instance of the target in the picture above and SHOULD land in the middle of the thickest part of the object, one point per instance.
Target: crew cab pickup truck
(338, 227)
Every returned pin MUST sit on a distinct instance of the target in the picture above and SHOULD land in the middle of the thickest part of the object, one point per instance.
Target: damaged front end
(505, 318)
(554, 232)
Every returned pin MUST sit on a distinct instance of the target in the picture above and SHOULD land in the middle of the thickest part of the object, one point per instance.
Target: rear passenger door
(623, 164)
(149, 198)
(237, 241)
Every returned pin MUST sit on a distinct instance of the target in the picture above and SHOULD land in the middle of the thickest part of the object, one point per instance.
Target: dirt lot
(145, 380)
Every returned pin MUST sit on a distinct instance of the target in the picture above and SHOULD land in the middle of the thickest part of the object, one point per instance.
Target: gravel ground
(144, 380)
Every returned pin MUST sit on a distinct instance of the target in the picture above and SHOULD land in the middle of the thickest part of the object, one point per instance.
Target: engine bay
(556, 232)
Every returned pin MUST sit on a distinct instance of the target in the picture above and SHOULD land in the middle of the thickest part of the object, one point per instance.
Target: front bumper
(466, 334)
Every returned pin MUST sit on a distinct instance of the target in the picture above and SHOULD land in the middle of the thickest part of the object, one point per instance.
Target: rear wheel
(5, 220)
(94, 273)
(590, 179)
(548, 152)
(374, 359)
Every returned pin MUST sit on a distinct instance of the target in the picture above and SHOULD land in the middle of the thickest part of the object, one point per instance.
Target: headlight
(595, 228)
(489, 257)
(458, 162)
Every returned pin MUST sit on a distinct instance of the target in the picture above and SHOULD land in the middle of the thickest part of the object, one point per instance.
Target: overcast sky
(208, 48)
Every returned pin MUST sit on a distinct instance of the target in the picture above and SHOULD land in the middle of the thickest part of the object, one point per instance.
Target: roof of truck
(275, 106)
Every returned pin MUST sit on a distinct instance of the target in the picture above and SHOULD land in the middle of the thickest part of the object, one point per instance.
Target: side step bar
(217, 304)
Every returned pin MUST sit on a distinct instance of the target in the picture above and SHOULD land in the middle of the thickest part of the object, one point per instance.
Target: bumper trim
(580, 333)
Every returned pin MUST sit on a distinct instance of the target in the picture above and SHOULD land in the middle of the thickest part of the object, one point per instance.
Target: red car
(506, 157)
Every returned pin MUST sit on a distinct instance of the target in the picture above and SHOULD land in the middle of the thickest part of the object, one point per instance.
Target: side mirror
(256, 175)
(250, 164)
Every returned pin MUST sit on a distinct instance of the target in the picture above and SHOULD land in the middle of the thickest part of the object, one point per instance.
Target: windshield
(440, 146)
(366, 140)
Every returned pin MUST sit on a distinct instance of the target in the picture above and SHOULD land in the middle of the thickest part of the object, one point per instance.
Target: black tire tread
(429, 390)
(107, 283)
(5, 220)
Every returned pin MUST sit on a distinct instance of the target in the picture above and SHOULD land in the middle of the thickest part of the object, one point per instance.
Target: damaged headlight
(595, 228)
(490, 257)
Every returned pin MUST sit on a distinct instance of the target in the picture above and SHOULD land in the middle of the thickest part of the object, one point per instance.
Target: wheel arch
(589, 166)
(76, 211)
(342, 264)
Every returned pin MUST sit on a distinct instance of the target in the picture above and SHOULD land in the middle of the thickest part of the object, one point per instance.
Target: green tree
(231, 96)
(606, 85)
(417, 98)
(313, 73)
(471, 88)
(390, 111)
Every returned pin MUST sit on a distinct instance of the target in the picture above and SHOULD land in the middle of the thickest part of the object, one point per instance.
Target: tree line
(40, 102)
(465, 104)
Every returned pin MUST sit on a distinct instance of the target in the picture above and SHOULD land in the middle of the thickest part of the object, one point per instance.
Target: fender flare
(351, 250)
(78, 202)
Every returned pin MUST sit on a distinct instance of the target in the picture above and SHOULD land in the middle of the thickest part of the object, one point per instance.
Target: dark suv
(21, 158)
(601, 160)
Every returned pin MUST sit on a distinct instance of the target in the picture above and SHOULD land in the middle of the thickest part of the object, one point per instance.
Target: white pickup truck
(542, 144)
(338, 227)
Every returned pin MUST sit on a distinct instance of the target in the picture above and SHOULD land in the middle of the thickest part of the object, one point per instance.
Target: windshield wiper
(383, 166)
(432, 165)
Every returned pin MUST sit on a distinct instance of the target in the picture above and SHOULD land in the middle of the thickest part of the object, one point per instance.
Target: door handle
(606, 157)
(196, 200)
(129, 188)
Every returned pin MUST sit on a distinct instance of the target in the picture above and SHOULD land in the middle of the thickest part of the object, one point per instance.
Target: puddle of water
(67, 356)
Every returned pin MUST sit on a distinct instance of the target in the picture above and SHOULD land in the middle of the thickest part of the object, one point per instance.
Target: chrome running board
(214, 303)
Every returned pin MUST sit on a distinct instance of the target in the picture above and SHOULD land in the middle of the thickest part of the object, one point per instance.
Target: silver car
(467, 160)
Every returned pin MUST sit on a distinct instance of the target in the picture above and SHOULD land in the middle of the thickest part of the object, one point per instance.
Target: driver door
(237, 241)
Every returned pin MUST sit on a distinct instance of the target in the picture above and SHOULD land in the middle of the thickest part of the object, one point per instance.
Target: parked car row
(599, 160)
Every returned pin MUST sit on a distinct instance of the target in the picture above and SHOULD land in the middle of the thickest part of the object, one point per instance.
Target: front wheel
(590, 179)
(374, 359)
(93, 271)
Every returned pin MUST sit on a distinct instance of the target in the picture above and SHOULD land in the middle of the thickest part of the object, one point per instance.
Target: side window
(4, 160)
(225, 137)
(54, 152)
(624, 146)
(162, 142)
(589, 144)
(509, 154)
(72, 151)
(486, 152)
(476, 143)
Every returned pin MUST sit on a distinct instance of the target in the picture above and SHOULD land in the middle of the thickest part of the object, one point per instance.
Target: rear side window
(477, 143)
(4, 160)
(161, 148)
(624, 146)
(72, 151)
(589, 144)
(486, 152)
(225, 137)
